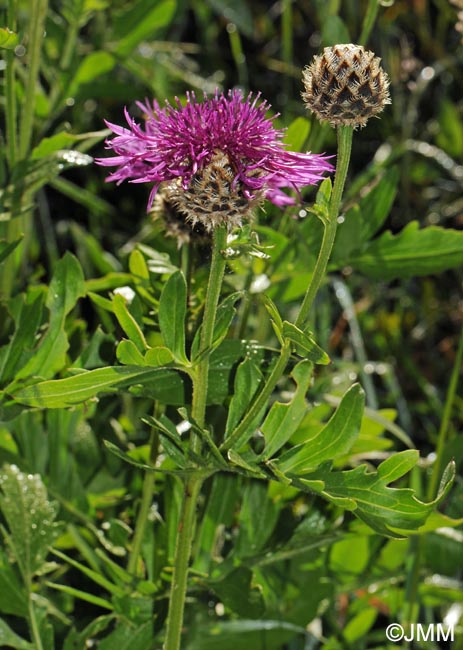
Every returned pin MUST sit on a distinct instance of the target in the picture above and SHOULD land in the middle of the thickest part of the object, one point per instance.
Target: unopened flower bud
(345, 85)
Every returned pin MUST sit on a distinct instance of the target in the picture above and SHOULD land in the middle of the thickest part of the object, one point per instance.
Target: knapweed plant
(233, 417)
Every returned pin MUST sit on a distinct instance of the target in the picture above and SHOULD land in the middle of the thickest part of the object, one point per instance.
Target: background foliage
(274, 567)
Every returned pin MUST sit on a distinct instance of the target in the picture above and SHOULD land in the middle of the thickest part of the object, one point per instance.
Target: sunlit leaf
(61, 393)
(283, 419)
(128, 354)
(128, 323)
(332, 440)
(411, 252)
(53, 144)
(297, 133)
(8, 39)
(389, 511)
(304, 344)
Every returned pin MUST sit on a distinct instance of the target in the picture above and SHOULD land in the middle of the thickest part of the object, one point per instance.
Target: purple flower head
(226, 138)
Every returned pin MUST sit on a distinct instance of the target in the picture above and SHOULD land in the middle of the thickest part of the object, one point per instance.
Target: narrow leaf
(141, 21)
(172, 311)
(61, 393)
(283, 419)
(81, 595)
(224, 317)
(275, 318)
(330, 442)
(6, 248)
(28, 316)
(53, 144)
(95, 576)
(304, 344)
(128, 322)
(247, 381)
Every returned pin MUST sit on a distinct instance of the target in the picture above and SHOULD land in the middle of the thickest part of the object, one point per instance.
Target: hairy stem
(186, 530)
(331, 224)
(200, 381)
(241, 433)
(187, 523)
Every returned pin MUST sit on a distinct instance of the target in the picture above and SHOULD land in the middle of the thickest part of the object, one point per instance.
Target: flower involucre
(172, 223)
(345, 85)
(215, 160)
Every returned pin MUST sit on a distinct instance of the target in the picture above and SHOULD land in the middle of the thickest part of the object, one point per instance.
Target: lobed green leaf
(412, 252)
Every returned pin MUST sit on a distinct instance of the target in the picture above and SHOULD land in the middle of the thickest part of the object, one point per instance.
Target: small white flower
(126, 292)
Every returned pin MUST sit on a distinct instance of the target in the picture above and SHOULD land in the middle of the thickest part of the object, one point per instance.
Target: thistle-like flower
(215, 160)
(345, 85)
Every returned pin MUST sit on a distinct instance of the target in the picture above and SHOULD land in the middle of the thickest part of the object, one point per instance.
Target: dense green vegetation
(300, 541)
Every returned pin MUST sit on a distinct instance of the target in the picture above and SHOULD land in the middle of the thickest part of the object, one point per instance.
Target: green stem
(368, 21)
(37, 25)
(10, 90)
(145, 506)
(442, 436)
(186, 530)
(187, 521)
(240, 434)
(331, 224)
(35, 633)
(200, 381)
